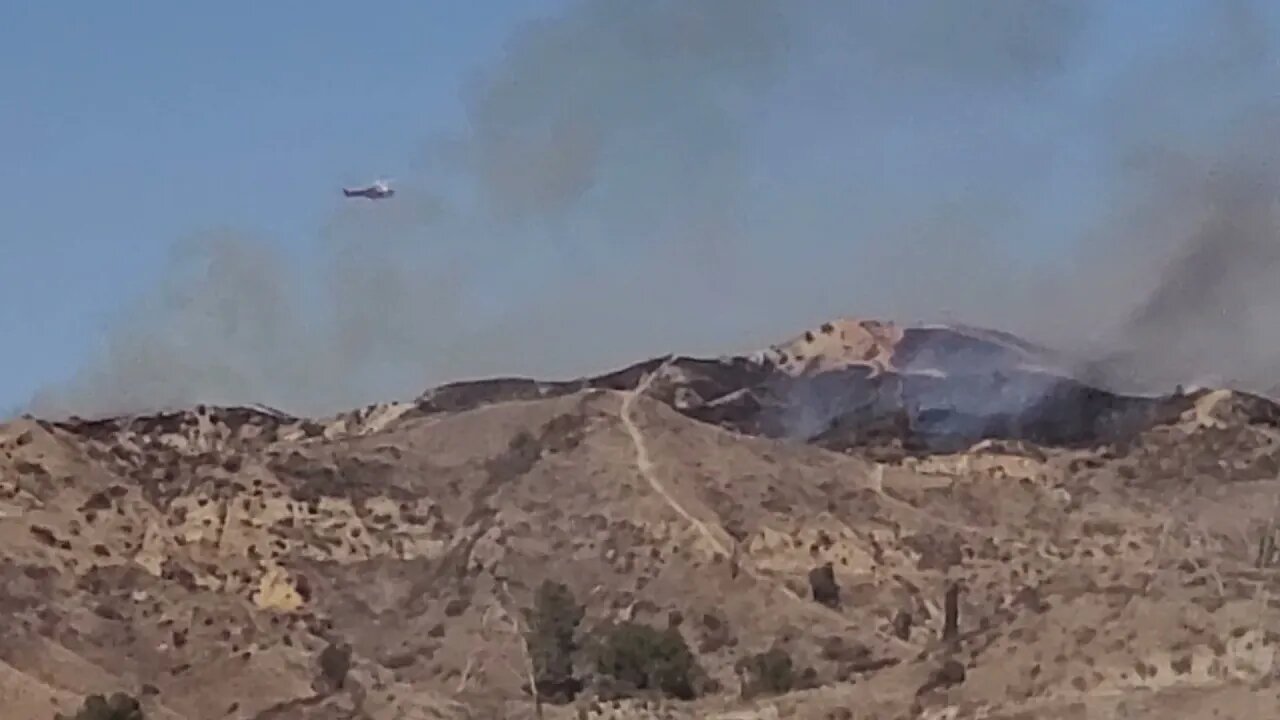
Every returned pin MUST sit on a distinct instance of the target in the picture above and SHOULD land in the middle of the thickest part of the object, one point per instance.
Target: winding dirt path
(644, 465)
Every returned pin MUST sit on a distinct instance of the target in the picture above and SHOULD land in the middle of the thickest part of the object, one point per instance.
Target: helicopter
(379, 190)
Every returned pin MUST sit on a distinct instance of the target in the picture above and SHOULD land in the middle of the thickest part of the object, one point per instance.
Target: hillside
(1108, 556)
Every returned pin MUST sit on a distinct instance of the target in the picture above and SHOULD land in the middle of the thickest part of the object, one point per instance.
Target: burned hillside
(869, 519)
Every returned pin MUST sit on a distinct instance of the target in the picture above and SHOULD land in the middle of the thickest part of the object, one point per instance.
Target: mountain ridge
(844, 351)
(951, 531)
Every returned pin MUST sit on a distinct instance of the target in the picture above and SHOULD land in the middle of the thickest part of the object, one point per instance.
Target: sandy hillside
(1103, 556)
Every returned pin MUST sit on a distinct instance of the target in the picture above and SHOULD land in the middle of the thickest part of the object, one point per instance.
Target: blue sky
(123, 132)
(126, 133)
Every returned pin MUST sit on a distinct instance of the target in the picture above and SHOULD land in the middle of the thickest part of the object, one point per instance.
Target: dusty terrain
(1111, 556)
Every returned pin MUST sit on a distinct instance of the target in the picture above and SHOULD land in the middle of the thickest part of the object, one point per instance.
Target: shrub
(553, 623)
(717, 635)
(335, 663)
(642, 658)
(119, 706)
(770, 672)
(822, 582)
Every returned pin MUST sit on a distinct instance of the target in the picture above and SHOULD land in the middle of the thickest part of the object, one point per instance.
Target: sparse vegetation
(438, 533)
(335, 662)
(950, 673)
(716, 633)
(553, 624)
(902, 625)
(643, 658)
(768, 673)
(1268, 552)
(120, 706)
(951, 620)
(822, 582)
(632, 657)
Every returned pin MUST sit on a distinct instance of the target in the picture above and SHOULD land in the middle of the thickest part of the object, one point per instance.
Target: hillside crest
(910, 521)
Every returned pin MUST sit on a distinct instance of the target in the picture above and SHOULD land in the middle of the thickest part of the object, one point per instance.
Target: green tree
(644, 658)
(770, 672)
(553, 624)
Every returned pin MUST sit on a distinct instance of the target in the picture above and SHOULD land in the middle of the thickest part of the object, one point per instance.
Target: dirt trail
(644, 465)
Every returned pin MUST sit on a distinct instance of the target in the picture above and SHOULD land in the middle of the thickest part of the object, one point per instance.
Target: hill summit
(865, 520)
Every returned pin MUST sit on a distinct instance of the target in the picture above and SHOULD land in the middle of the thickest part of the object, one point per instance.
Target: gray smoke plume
(642, 177)
(1183, 277)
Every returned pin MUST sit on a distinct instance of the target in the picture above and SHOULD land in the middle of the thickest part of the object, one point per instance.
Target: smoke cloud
(1197, 238)
(636, 178)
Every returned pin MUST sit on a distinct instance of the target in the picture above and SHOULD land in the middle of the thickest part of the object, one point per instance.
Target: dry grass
(204, 562)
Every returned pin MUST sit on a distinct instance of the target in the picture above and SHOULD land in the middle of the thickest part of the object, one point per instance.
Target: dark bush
(335, 662)
(717, 634)
(553, 623)
(641, 658)
(119, 706)
(767, 673)
(822, 581)
(902, 625)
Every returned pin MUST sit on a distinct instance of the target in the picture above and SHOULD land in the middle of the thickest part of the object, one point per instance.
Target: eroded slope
(208, 561)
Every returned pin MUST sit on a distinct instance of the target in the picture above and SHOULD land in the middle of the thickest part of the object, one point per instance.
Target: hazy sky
(584, 183)
(124, 132)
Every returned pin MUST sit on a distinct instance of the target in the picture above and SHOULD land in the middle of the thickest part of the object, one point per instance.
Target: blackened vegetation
(264, 422)
(25, 587)
(1252, 409)
(366, 477)
(822, 583)
(937, 550)
(334, 664)
(561, 434)
(947, 414)
(33, 470)
(950, 389)
(951, 614)
(706, 378)
(461, 396)
(716, 634)
(1238, 448)
(952, 352)
(119, 706)
(97, 501)
(627, 378)
(47, 536)
(312, 478)
(726, 390)
(953, 389)
(1268, 552)
(853, 659)
(950, 673)
(902, 625)
(740, 411)
(345, 477)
